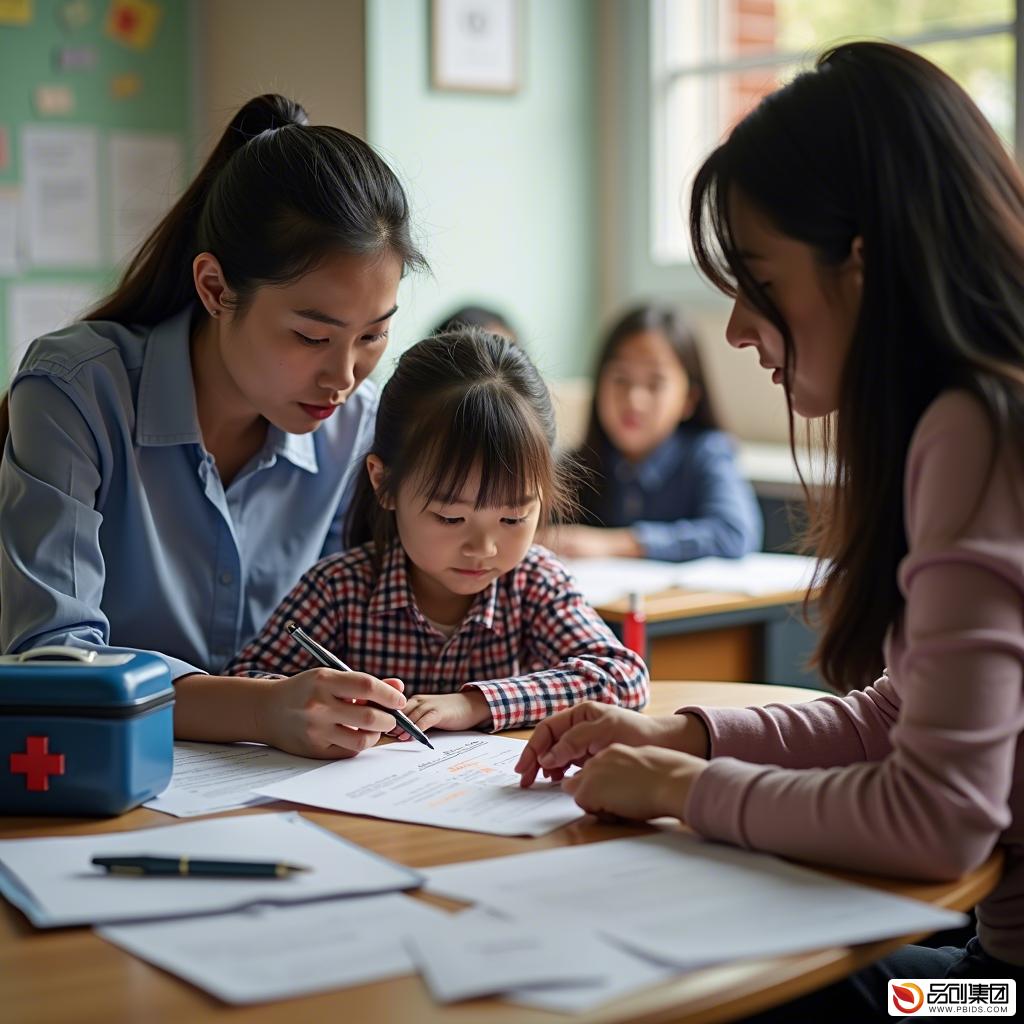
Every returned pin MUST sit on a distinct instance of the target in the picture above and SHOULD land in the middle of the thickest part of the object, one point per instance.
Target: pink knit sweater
(921, 773)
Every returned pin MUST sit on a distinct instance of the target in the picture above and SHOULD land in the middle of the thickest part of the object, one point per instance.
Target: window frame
(663, 183)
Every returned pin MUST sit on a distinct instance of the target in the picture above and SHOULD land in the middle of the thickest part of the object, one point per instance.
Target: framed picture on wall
(476, 45)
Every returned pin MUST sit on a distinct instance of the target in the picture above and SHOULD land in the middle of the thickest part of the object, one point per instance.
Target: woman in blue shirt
(660, 478)
(177, 459)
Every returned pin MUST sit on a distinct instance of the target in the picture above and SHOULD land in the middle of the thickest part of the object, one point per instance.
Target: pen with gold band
(329, 660)
(142, 864)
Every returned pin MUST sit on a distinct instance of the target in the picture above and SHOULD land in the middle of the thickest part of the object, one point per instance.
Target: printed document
(466, 782)
(211, 777)
(686, 902)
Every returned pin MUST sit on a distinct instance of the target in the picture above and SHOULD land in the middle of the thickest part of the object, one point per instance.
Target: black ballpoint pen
(143, 864)
(329, 660)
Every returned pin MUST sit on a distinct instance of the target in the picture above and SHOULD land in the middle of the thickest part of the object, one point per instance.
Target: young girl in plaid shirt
(444, 587)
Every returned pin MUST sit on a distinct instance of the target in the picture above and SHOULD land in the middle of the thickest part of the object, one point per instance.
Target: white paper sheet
(622, 972)
(277, 952)
(211, 777)
(467, 782)
(37, 309)
(468, 957)
(688, 903)
(10, 201)
(146, 176)
(54, 882)
(62, 196)
(603, 580)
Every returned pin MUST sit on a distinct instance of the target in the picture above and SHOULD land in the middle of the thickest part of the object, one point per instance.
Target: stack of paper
(278, 952)
(54, 882)
(686, 902)
(211, 777)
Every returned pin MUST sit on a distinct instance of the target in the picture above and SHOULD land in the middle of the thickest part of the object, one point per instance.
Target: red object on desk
(634, 627)
(37, 764)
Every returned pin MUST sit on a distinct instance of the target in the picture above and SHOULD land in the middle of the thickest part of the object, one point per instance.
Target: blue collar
(166, 408)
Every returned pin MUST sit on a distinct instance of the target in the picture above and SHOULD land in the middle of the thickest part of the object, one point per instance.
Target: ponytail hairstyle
(274, 199)
(461, 401)
(877, 142)
(592, 456)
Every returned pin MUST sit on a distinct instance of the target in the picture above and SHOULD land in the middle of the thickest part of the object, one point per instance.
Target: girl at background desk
(661, 479)
(175, 456)
(443, 585)
(869, 225)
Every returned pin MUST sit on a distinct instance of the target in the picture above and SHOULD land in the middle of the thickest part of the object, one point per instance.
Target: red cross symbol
(37, 764)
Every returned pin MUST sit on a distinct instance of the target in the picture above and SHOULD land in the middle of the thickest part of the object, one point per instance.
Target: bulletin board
(104, 83)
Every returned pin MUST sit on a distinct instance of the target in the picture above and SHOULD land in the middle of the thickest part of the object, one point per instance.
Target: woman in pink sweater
(869, 227)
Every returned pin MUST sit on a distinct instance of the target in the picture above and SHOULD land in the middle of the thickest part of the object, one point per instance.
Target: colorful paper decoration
(15, 12)
(54, 101)
(133, 22)
(74, 15)
(75, 58)
(123, 87)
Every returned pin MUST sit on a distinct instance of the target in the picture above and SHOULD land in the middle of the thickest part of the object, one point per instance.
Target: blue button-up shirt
(686, 500)
(115, 527)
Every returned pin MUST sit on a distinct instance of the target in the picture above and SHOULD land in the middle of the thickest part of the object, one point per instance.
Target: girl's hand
(451, 711)
(322, 712)
(577, 734)
(638, 783)
(591, 542)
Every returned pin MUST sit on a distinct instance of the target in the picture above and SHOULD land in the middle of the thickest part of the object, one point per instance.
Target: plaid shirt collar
(393, 591)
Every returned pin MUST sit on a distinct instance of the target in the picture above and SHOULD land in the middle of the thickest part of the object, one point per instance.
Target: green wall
(503, 187)
(162, 105)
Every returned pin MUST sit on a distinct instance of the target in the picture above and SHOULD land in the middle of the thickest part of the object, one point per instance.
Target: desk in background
(70, 975)
(724, 636)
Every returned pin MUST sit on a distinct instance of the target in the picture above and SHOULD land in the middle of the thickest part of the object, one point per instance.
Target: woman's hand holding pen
(321, 712)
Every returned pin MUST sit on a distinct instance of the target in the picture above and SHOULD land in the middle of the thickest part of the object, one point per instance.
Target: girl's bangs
(489, 435)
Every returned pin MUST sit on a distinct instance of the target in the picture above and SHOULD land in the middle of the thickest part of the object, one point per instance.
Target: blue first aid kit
(83, 732)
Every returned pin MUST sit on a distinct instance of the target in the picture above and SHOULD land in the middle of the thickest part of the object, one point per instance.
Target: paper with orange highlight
(466, 782)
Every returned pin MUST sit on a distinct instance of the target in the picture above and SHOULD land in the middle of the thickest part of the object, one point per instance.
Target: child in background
(445, 588)
(868, 224)
(484, 317)
(662, 480)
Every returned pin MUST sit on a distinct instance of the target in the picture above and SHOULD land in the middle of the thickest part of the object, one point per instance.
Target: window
(713, 60)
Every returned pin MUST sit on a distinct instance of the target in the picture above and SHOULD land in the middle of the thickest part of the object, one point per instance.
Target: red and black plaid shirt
(529, 643)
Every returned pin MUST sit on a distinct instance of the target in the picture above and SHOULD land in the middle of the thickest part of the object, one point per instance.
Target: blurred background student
(660, 478)
(477, 316)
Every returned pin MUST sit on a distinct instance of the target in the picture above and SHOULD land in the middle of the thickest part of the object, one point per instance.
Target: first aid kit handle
(57, 652)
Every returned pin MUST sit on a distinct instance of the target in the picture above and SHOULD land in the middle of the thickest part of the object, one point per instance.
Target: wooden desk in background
(722, 637)
(70, 975)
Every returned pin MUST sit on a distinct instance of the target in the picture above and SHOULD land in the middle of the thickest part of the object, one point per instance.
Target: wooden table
(717, 636)
(51, 977)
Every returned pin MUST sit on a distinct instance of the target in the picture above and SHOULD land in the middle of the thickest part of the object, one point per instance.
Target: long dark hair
(592, 457)
(275, 197)
(879, 143)
(456, 402)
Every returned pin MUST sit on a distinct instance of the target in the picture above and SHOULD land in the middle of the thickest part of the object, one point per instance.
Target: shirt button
(226, 578)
